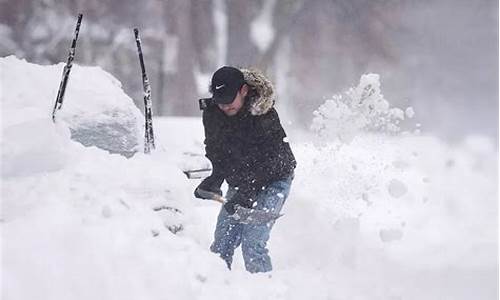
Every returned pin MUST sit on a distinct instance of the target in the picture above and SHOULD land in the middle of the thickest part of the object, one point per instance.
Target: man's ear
(244, 90)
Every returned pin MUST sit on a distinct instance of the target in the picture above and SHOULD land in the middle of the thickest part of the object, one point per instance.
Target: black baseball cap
(226, 82)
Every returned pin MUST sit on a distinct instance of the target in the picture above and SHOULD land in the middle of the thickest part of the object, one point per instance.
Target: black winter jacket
(248, 150)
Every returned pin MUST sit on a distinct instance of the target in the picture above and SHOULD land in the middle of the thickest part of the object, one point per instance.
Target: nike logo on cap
(219, 86)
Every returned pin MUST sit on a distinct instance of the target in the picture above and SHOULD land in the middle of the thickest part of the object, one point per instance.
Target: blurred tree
(204, 35)
(241, 51)
(191, 25)
(285, 15)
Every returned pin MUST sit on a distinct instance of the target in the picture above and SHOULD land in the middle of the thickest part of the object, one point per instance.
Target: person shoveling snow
(246, 145)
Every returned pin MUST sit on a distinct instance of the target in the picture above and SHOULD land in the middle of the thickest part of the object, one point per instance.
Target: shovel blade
(254, 216)
(197, 174)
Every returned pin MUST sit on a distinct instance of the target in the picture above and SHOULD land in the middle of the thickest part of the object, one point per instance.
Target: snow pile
(421, 212)
(360, 108)
(429, 198)
(96, 110)
(34, 147)
(78, 222)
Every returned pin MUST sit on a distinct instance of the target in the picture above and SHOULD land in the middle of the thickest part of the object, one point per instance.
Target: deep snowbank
(382, 217)
(95, 109)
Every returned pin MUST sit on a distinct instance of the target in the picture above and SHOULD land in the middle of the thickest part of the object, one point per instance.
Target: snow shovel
(243, 215)
(198, 173)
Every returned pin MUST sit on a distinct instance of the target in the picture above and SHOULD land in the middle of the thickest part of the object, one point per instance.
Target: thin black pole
(66, 71)
(149, 140)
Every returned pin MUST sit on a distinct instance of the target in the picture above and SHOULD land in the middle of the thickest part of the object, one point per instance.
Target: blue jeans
(229, 233)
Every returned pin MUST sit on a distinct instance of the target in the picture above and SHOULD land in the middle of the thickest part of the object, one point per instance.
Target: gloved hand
(241, 198)
(211, 184)
(230, 207)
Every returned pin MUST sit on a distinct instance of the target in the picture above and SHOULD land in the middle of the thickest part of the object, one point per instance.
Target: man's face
(234, 107)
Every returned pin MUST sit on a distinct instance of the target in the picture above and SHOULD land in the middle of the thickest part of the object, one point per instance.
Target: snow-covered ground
(381, 217)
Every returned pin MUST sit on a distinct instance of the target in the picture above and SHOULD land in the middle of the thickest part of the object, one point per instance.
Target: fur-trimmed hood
(262, 96)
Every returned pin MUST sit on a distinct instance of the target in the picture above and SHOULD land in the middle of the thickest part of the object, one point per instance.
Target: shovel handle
(219, 199)
(211, 196)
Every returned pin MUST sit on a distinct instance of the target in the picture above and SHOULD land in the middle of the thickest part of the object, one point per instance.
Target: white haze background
(438, 56)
